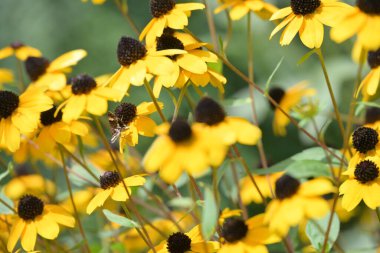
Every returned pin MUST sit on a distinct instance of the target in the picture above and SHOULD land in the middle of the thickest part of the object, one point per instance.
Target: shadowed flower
(308, 18)
(240, 8)
(370, 84)
(112, 186)
(51, 75)
(96, 2)
(35, 217)
(21, 51)
(166, 13)
(20, 115)
(6, 76)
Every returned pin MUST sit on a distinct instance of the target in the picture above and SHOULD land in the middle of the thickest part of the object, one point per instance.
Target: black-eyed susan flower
(229, 129)
(287, 100)
(307, 18)
(52, 75)
(370, 84)
(166, 13)
(191, 241)
(296, 201)
(372, 117)
(240, 8)
(131, 121)
(189, 66)
(178, 144)
(20, 50)
(87, 95)
(112, 186)
(363, 183)
(55, 131)
(138, 64)
(36, 217)
(362, 20)
(265, 183)
(366, 142)
(6, 76)
(248, 236)
(20, 115)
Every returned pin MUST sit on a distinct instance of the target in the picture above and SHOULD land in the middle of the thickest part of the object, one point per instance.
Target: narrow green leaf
(4, 209)
(305, 57)
(7, 172)
(181, 202)
(122, 221)
(209, 215)
(272, 75)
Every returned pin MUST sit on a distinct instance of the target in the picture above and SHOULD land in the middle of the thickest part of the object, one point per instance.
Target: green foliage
(209, 214)
(122, 221)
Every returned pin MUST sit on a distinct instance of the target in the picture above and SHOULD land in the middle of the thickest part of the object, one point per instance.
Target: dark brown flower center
(178, 243)
(371, 7)
(286, 186)
(8, 103)
(36, 67)
(365, 139)
(16, 45)
(82, 84)
(366, 171)
(125, 113)
(208, 111)
(277, 94)
(374, 58)
(167, 41)
(129, 51)
(372, 115)
(109, 179)
(159, 8)
(47, 117)
(180, 131)
(29, 207)
(304, 7)
(234, 229)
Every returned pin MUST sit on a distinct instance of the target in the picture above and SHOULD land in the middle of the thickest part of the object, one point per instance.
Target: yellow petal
(192, 63)
(60, 215)
(291, 30)
(119, 193)
(96, 105)
(135, 180)
(282, 25)
(98, 200)
(24, 52)
(177, 19)
(47, 227)
(6, 52)
(350, 25)
(146, 108)
(145, 126)
(15, 234)
(238, 11)
(67, 60)
(74, 108)
(281, 13)
(29, 236)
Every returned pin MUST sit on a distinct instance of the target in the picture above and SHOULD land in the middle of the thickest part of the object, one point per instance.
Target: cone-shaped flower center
(29, 207)
(83, 84)
(372, 115)
(178, 243)
(16, 45)
(8, 103)
(180, 131)
(365, 139)
(277, 94)
(208, 111)
(234, 229)
(369, 6)
(109, 179)
(167, 41)
(304, 7)
(125, 113)
(374, 58)
(366, 171)
(36, 67)
(159, 8)
(48, 118)
(286, 186)
(129, 51)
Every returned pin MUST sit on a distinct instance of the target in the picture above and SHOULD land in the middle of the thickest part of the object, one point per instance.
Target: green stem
(8, 206)
(211, 25)
(378, 213)
(20, 74)
(179, 102)
(150, 92)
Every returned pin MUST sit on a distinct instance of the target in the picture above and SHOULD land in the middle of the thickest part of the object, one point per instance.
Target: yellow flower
(366, 141)
(166, 13)
(370, 84)
(87, 95)
(308, 18)
(20, 115)
(35, 217)
(191, 241)
(96, 2)
(20, 50)
(29, 184)
(362, 20)
(138, 64)
(177, 144)
(248, 191)
(190, 65)
(6, 76)
(240, 8)
(51, 75)
(372, 117)
(112, 186)
(363, 183)
(287, 100)
(228, 129)
(129, 121)
(296, 201)
(248, 236)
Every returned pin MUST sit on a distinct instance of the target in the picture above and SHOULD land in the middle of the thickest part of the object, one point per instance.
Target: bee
(117, 126)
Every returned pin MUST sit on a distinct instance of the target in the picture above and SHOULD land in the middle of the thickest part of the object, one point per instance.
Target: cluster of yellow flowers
(52, 118)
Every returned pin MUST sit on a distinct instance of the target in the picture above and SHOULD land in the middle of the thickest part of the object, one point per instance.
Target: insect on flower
(117, 126)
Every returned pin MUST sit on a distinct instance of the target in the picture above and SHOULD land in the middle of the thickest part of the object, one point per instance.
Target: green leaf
(222, 170)
(216, 66)
(181, 202)
(272, 75)
(316, 154)
(316, 229)
(8, 171)
(305, 57)
(281, 166)
(122, 221)
(209, 215)
(4, 209)
(308, 168)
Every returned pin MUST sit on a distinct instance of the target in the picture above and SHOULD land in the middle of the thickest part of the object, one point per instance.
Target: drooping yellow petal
(67, 60)
(177, 19)
(238, 11)
(98, 200)
(96, 105)
(119, 193)
(60, 215)
(15, 234)
(146, 108)
(283, 23)
(6, 52)
(282, 13)
(291, 30)
(192, 63)
(47, 227)
(135, 180)
(74, 108)
(347, 27)
(373, 82)
(145, 126)
(29, 236)
(25, 51)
